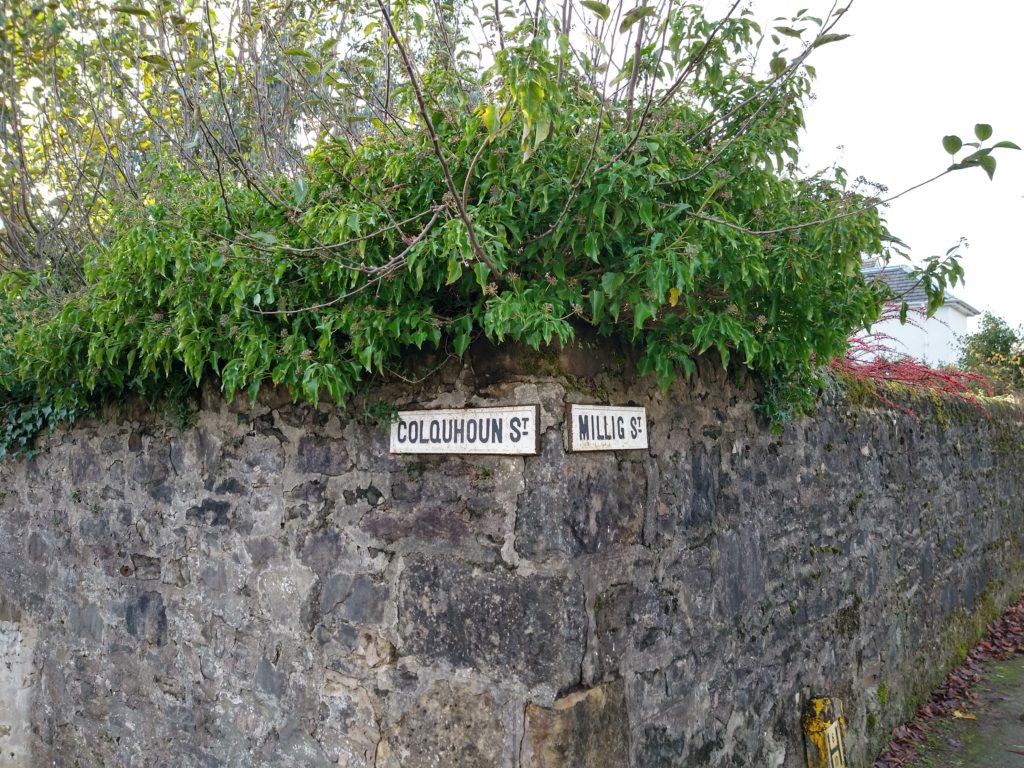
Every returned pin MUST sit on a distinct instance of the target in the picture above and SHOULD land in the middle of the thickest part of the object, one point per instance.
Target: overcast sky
(912, 72)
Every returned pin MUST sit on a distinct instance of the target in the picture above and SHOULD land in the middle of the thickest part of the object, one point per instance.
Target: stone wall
(270, 587)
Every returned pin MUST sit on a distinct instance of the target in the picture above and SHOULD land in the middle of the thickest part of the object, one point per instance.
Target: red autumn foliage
(1004, 640)
(873, 358)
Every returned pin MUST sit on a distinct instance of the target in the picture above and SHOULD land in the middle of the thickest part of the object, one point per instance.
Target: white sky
(912, 72)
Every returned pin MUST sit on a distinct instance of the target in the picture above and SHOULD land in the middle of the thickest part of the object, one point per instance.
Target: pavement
(993, 737)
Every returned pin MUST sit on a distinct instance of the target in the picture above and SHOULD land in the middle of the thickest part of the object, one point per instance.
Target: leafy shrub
(517, 208)
(316, 297)
(995, 351)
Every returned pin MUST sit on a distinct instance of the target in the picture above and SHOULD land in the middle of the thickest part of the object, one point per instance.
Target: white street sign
(514, 430)
(606, 428)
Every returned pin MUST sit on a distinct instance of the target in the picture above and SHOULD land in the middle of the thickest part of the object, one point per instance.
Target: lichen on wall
(271, 587)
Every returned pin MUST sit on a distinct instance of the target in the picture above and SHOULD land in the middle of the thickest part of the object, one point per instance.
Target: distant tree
(996, 351)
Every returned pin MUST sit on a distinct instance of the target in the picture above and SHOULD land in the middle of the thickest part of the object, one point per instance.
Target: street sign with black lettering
(512, 430)
(607, 428)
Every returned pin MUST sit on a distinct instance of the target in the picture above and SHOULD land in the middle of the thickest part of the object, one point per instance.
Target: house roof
(899, 279)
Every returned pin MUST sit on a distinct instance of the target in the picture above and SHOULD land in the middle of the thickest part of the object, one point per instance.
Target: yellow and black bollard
(825, 733)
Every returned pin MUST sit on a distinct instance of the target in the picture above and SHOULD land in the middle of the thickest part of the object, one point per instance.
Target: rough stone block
(587, 729)
(740, 572)
(531, 627)
(17, 670)
(693, 496)
(347, 731)
(146, 567)
(357, 599)
(210, 512)
(283, 590)
(447, 726)
(628, 620)
(146, 618)
(576, 504)
(463, 501)
(322, 456)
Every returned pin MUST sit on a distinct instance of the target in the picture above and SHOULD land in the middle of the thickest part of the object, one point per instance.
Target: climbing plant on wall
(301, 194)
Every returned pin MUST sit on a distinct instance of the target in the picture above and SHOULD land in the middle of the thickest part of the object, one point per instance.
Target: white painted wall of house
(934, 340)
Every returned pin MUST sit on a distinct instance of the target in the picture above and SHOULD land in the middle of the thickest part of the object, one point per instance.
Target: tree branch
(436, 143)
(378, 272)
(816, 222)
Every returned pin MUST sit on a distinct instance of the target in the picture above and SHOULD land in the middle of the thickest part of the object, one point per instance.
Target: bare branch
(816, 222)
(436, 143)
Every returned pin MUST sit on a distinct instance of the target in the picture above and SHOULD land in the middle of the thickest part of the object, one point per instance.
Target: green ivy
(21, 422)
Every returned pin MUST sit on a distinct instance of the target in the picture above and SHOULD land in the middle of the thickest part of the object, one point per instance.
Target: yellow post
(825, 733)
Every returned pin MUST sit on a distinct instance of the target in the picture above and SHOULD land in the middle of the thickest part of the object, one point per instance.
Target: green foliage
(996, 351)
(934, 274)
(21, 422)
(981, 157)
(184, 290)
(23, 415)
(515, 201)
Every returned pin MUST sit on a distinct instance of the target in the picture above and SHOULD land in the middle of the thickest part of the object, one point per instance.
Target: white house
(933, 340)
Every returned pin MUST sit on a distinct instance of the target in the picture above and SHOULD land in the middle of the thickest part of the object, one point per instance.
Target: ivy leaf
(194, 64)
(490, 119)
(454, 270)
(300, 189)
(643, 311)
(156, 60)
(988, 163)
(777, 65)
(633, 16)
(596, 304)
(462, 335)
(600, 9)
(531, 98)
(975, 157)
(983, 131)
(543, 130)
(952, 144)
(1005, 145)
(688, 365)
(267, 238)
(482, 272)
(831, 37)
(461, 342)
(790, 32)
(612, 281)
(132, 10)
